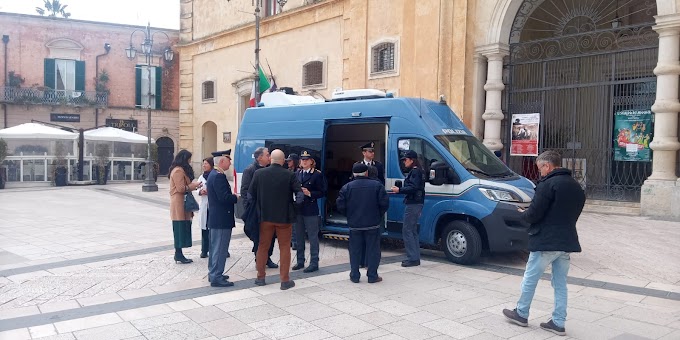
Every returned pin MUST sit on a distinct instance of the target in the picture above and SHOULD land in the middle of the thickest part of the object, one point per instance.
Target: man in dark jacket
(364, 201)
(556, 206)
(252, 228)
(221, 202)
(272, 189)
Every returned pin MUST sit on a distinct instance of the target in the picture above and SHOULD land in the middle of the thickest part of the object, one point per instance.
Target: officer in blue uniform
(221, 200)
(313, 188)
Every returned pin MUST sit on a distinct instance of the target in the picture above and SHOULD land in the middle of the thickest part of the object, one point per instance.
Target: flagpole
(257, 52)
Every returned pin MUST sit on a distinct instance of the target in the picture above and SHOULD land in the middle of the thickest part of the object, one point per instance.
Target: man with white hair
(272, 190)
(364, 201)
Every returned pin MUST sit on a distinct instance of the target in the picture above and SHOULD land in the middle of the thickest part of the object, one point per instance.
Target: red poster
(524, 140)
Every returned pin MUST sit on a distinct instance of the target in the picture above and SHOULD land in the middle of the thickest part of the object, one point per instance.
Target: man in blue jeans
(554, 210)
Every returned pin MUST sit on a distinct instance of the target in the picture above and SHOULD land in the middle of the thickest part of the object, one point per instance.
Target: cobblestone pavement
(95, 262)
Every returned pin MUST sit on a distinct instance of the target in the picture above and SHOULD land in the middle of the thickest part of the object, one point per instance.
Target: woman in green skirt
(181, 181)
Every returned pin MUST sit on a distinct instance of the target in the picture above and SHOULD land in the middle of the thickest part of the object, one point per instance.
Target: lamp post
(168, 54)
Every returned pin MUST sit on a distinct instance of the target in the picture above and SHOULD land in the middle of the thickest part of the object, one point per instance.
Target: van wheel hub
(456, 243)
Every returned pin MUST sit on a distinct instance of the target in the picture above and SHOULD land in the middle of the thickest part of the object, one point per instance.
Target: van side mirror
(441, 173)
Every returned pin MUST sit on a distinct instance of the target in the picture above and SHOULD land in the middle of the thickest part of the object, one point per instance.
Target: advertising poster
(633, 133)
(525, 134)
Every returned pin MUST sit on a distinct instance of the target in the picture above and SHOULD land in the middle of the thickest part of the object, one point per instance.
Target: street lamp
(131, 53)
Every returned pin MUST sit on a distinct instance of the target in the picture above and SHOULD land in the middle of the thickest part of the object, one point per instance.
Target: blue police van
(471, 196)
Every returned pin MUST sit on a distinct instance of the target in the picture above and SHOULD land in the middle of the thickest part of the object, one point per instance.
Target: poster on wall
(633, 131)
(525, 134)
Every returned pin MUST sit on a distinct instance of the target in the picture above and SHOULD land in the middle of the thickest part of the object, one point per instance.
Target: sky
(161, 13)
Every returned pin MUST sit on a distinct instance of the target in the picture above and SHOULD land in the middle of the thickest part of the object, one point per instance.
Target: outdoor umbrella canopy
(111, 134)
(36, 131)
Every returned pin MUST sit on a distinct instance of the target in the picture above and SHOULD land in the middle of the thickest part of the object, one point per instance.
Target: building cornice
(39, 18)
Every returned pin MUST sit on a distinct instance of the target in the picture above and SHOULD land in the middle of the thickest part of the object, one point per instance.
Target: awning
(36, 131)
(111, 134)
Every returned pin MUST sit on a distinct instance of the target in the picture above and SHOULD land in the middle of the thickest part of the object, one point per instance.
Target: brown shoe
(379, 279)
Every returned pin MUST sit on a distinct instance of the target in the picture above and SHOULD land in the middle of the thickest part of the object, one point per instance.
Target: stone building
(76, 73)
(579, 65)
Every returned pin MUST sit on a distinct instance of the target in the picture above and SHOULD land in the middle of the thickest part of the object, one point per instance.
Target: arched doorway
(586, 67)
(166, 150)
(209, 138)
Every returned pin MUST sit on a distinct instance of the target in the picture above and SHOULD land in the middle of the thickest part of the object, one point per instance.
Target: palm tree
(53, 7)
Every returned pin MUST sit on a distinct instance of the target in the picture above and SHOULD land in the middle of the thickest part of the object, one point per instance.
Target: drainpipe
(5, 40)
(107, 47)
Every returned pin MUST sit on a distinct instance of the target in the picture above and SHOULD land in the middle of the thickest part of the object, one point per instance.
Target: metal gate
(577, 79)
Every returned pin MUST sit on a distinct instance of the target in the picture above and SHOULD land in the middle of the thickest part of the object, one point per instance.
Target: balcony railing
(43, 96)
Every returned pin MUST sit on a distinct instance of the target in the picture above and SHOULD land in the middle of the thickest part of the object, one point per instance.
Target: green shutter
(80, 75)
(50, 73)
(159, 97)
(138, 86)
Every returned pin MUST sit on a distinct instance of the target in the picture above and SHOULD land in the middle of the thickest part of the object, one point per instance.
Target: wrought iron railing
(46, 96)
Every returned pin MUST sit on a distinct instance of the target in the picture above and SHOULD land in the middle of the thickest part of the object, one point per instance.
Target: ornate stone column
(659, 189)
(493, 115)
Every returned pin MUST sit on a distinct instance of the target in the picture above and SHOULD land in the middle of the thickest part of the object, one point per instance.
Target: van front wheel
(461, 242)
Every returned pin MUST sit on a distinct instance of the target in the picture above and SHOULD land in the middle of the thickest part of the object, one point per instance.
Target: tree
(53, 7)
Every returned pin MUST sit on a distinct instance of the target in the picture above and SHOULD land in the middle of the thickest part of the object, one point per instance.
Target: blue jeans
(538, 261)
(409, 231)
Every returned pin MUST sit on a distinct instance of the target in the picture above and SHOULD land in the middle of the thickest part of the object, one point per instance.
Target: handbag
(190, 204)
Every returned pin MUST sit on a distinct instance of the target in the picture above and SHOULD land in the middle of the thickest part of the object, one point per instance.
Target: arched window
(208, 91)
(312, 73)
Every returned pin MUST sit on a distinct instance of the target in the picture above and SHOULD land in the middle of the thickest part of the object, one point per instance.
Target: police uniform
(221, 200)
(376, 170)
(308, 215)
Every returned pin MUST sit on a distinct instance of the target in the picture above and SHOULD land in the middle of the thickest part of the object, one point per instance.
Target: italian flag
(264, 86)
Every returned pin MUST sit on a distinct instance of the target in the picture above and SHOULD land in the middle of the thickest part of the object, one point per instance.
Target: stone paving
(95, 262)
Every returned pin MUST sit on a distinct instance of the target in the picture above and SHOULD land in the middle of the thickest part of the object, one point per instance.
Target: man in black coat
(273, 189)
(221, 202)
(313, 187)
(364, 201)
(556, 206)
(252, 226)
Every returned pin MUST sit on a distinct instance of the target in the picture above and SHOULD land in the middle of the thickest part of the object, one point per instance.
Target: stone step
(612, 207)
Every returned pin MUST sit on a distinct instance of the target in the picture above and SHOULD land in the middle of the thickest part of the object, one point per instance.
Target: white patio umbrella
(36, 131)
(111, 134)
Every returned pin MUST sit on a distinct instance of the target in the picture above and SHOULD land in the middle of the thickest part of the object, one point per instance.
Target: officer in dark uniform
(376, 170)
(313, 188)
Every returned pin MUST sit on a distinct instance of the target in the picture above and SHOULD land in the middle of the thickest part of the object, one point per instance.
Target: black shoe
(271, 264)
(298, 266)
(551, 327)
(410, 263)
(182, 259)
(311, 268)
(515, 318)
(354, 280)
(260, 282)
(228, 255)
(294, 247)
(225, 277)
(204, 255)
(287, 285)
(221, 283)
(379, 279)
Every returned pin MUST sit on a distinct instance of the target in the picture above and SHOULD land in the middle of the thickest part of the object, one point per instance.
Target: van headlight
(500, 195)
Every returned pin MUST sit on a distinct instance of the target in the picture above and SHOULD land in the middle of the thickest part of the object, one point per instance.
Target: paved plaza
(96, 262)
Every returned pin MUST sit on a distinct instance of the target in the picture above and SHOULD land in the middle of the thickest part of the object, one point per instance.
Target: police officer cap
(293, 157)
(305, 155)
(368, 146)
(359, 168)
(410, 154)
(225, 153)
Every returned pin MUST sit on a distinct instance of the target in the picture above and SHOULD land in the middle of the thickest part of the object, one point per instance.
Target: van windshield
(474, 156)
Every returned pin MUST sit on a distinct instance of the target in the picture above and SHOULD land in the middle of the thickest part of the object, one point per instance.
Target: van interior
(343, 149)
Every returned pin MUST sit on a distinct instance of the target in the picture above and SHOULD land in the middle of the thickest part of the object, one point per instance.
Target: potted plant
(101, 168)
(3, 155)
(102, 88)
(60, 174)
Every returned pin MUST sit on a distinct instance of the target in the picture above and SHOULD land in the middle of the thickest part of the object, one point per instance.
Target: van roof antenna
(420, 105)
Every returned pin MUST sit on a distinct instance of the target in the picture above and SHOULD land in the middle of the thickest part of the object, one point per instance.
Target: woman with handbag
(181, 187)
(208, 165)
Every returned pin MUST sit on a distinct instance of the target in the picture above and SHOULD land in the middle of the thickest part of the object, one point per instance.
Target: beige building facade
(579, 65)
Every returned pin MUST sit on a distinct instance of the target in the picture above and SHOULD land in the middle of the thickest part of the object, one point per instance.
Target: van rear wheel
(461, 242)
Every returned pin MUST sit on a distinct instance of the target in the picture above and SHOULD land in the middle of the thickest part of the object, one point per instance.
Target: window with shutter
(148, 87)
(383, 56)
(208, 91)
